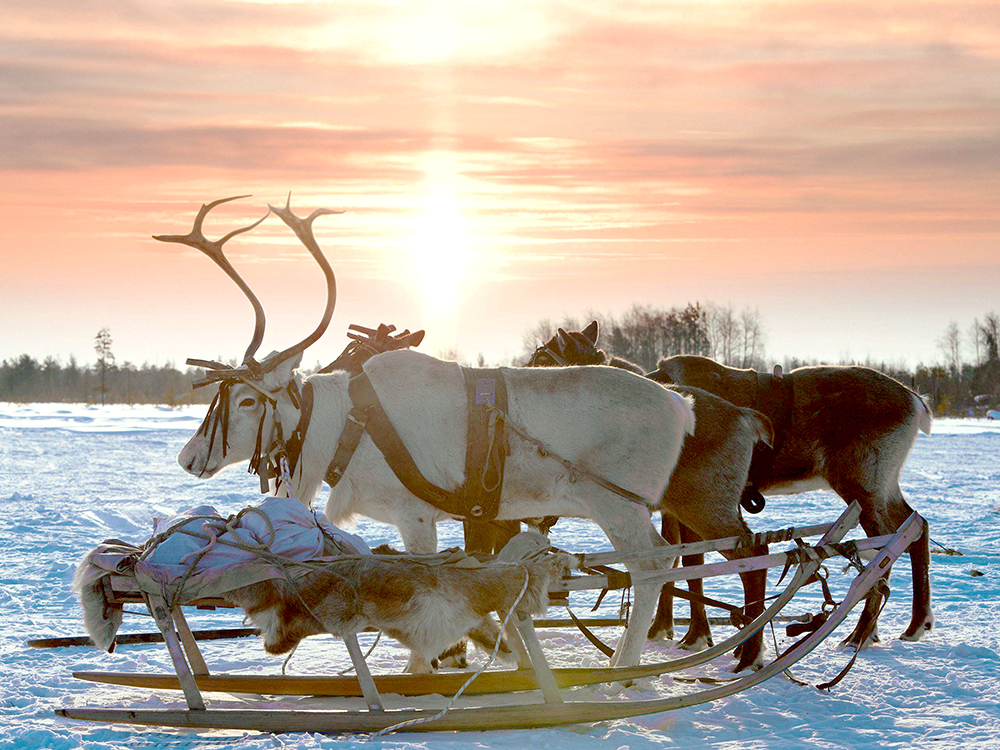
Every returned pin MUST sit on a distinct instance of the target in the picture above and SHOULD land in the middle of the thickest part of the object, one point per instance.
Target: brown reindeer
(848, 429)
(703, 497)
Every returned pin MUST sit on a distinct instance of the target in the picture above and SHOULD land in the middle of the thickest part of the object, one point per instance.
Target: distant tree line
(25, 379)
(644, 334)
(966, 382)
(968, 379)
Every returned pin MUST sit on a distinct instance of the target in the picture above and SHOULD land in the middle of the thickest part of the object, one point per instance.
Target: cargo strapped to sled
(485, 450)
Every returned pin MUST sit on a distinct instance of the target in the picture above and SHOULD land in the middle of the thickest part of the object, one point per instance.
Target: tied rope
(572, 469)
(451, 703)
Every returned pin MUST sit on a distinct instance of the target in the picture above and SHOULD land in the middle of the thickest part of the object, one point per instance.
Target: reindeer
(849, 429)
(604, 422)
(702, 500)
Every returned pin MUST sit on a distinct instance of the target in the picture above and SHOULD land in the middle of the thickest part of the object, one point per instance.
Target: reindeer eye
(247, 403)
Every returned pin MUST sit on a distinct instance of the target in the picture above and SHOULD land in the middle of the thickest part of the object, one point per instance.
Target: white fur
(923, 415)
(617, 425)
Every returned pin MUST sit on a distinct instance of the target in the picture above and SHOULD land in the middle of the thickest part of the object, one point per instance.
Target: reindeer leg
(699, 634)
(663, 621)
(865, 631)
(725, 521)
(922, 618)
(628, 527)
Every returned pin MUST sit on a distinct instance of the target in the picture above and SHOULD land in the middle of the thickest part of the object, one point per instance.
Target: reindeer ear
(282, 374)
(562, 338)
(591, 332)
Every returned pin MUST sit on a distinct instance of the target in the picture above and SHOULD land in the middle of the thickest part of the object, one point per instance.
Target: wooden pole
(542, 672)
(161, 616)
(368, 689)
(197, 661)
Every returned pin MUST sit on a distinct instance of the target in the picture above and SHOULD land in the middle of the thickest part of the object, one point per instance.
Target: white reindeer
(611, 423)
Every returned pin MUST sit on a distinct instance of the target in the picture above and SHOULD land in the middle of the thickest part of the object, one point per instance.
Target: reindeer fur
(425, 607)
(623, 428)
(851, 431)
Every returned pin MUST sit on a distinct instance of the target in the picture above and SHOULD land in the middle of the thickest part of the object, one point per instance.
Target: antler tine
(213, 249)
(303, 230)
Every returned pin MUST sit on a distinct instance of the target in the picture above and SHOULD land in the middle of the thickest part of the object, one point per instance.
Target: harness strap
(386, 439)
(486, 443)
(775, 400)
(293, 447)
(589, 635)
(357, 419)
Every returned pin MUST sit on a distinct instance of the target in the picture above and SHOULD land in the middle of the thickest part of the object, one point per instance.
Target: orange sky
(836, 165)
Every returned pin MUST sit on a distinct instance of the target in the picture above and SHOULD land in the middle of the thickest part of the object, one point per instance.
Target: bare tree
(991, 335)
(977, 342)
(950, 345)
(105, 357)
(753, 337)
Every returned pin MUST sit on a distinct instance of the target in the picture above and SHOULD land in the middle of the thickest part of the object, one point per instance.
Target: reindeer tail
(923, 414)
(760, 425)
(686, 407)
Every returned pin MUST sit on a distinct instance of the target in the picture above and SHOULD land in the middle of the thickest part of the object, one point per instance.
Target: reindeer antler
(303, 230)
(213, 249)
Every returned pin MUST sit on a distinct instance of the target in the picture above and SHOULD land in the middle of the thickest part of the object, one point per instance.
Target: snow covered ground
(71, 476)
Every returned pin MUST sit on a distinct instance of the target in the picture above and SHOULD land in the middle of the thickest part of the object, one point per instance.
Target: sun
(442, 251)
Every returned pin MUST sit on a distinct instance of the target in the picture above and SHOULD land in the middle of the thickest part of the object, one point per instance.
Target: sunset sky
(836, 165)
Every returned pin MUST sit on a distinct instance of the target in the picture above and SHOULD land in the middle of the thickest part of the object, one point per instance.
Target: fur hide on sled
(427, 608)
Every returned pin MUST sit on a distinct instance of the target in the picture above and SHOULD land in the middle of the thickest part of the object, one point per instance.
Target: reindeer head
(570, 348)
(244, 420)
(736, 386)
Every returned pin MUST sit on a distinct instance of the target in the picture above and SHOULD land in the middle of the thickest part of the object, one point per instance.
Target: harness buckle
(476, 510)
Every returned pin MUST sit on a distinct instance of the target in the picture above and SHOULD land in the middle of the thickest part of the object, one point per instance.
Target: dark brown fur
(852, 428)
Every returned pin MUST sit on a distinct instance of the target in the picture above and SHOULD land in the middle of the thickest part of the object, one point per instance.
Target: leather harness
(775, 399)
(485, 453)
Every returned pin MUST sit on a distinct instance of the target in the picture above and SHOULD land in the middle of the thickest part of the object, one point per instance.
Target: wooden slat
(161, 615)
(195, 659)
(711, 570)
(690, 548)
(368, 688)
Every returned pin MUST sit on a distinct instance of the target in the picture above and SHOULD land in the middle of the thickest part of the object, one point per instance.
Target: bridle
(268, 454)
(545, 350)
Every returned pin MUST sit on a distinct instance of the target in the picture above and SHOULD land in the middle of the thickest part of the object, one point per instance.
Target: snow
(73, 475)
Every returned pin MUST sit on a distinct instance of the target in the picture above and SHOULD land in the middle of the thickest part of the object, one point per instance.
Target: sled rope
(368, 653)
(573, 469)
(458, 694)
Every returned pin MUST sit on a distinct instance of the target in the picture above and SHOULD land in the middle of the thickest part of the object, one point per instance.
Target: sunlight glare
(442, 251)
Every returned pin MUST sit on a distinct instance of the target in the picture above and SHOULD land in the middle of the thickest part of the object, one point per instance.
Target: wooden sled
(510, 680)
(192, 673)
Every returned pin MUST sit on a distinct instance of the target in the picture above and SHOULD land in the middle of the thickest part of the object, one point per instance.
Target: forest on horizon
(964, 382)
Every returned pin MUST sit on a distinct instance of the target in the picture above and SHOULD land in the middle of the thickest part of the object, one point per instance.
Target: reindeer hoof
(854, 643)
(753, 664)
(660, 633)
(696, 641)
(916, 632)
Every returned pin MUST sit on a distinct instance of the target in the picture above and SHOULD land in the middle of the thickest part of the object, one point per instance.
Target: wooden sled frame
(192, 673)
